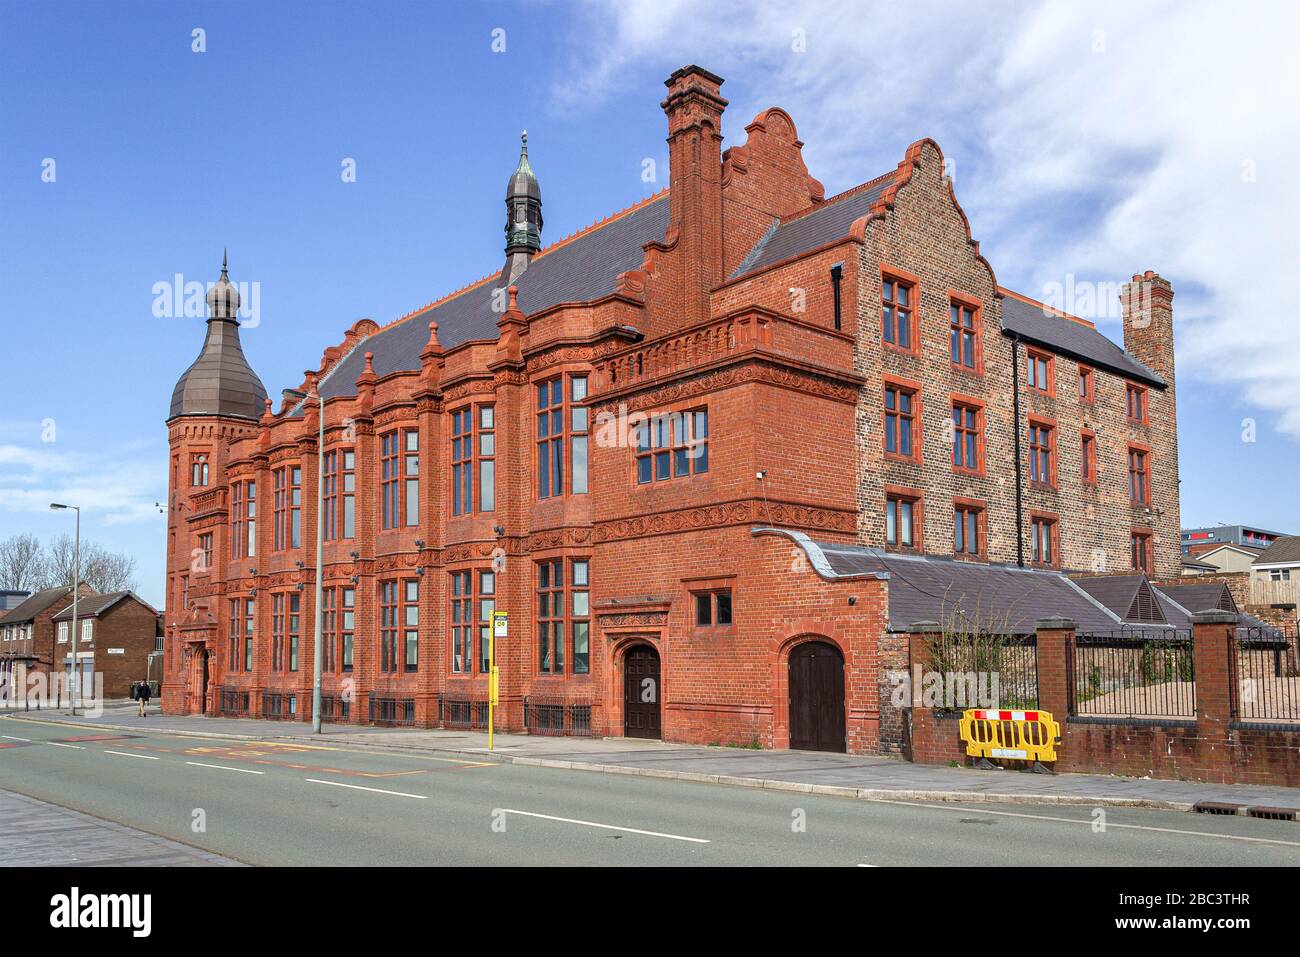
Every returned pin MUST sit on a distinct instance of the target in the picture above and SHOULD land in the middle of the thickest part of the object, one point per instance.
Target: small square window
(713, 608)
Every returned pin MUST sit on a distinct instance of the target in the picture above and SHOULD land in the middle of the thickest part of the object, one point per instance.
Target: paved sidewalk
(863, 777)
(38, 834)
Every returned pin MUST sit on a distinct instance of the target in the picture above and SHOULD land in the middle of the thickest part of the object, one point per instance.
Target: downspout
(1015, 416)
(837, 273)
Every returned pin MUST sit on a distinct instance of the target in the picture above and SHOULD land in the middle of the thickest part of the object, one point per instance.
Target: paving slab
(39, 834)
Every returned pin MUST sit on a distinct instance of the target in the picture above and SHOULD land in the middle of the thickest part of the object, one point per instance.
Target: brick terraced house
(602, 438)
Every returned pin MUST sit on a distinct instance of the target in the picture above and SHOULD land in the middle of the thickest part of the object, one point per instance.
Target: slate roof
(1009, 599)
(586, 267)
(1074, 339)
(1128, 596)
(1002, 598)
(1283, 551)
(92, 606)
(581, 269)
(1201, 596)
(804, 232)
(36, 604)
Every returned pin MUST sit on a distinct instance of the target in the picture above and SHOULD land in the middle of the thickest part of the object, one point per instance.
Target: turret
(220, 381)
(523, 217)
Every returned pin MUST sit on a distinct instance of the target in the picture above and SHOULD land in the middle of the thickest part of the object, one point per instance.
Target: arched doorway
(641, 693)
(816, 697)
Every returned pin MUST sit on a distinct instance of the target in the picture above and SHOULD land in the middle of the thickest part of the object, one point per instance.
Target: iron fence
(277, 706)
(392, 711)
(231, 702)
(335, 708)
(557, 716)
(1266, 674)
(1137, 674)
(983, 671)
(470, 714)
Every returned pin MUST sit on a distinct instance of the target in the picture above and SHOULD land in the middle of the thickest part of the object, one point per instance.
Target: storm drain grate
(1273, 813)
(1216, 807)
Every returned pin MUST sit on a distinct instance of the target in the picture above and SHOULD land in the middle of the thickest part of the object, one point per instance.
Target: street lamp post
(320, 548)
(76, 587)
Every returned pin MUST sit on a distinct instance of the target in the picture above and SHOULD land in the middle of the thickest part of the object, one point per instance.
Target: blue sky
(1086, 145)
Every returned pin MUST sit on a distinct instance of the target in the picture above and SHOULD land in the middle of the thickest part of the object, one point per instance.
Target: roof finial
(223, 261)
(523, 137)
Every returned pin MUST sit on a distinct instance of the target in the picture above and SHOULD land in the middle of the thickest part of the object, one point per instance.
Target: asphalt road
(273, 803)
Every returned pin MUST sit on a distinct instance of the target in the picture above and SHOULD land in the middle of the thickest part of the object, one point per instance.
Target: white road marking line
(127, 754)
(607, 827)
(868, 865)
(1109, 825)
(222, 767)
(358, 787)
(12, 738)
(59, 744)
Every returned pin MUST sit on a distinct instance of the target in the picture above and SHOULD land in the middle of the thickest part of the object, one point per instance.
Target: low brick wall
(1213, 747)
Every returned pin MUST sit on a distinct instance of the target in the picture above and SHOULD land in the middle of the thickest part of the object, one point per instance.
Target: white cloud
(117, 488)
(1094, 140)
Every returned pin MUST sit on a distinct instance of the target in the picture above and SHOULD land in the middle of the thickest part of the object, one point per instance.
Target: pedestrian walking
(142, 694)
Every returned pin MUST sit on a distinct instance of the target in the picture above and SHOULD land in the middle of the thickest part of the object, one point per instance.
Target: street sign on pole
(499, 629)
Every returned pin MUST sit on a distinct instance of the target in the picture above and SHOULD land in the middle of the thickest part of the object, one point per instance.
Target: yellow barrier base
(1010, 734)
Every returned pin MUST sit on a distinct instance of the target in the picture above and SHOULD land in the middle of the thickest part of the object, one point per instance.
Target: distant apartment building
(11, 598)
(1197, 541)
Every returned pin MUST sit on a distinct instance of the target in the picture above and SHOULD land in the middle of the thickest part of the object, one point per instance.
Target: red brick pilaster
(1055, 648)
(1216, 698)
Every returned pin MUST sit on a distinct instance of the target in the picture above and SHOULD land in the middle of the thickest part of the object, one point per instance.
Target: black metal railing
(455, 711)
(1267, 675)
(393, 712)
(982, 671)
(232, 703)
(277, 706)
(335, 708)
(557, 716)
(1133, 674)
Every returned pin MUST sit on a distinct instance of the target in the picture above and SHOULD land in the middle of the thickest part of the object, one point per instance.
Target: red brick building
(590, 438)
(27, 633)
(117, 632)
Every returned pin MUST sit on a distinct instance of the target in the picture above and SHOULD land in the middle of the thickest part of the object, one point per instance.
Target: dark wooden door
(203, 683)
(641, 693)
(816, 697)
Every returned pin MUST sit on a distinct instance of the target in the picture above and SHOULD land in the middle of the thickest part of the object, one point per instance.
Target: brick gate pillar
(1055, 648)
(1216, 696)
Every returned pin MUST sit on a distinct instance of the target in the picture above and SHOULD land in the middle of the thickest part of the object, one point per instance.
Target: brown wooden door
(641, 693)
(816, 697)
(203, 683)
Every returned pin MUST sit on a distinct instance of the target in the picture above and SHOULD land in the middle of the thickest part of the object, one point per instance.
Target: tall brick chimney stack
(694, 107)
(1149, 322)
(1147, 302)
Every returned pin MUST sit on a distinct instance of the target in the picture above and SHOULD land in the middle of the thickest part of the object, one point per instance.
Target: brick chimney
(1147, 303)
(1149, 322)
(694, 107)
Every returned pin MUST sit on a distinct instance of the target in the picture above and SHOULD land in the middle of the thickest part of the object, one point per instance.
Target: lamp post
(76, 587)
(320, 548)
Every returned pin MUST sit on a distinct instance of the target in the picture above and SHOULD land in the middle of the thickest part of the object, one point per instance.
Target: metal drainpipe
(1015, 428)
